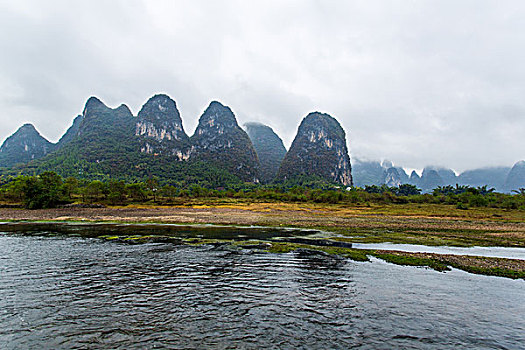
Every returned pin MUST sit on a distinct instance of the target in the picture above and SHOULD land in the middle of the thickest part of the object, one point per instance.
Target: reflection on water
(496, 252)
(58, 292)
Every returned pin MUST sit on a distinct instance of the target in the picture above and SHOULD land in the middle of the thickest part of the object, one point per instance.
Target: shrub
(462, 206)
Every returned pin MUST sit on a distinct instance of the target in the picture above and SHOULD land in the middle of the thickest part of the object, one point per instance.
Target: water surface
(495, 252)
(73, 292)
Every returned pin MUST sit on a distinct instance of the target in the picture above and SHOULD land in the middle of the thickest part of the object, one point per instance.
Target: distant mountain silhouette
(377, 173)
(366, 172)
(516, 177)
(23, 146)
(493, 177)
(269, 147)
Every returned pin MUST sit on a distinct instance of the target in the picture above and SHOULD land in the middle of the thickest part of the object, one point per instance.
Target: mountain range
(112, 143)
(504, 179)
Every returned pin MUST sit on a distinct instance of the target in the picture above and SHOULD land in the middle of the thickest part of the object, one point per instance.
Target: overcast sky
(416, 82)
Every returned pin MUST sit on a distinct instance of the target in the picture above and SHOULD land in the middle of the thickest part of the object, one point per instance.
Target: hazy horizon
(418, 83)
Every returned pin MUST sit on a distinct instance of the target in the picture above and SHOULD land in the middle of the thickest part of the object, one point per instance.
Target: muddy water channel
(62, 290)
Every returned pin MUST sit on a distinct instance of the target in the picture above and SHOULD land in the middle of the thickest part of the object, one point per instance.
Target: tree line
(49, 190)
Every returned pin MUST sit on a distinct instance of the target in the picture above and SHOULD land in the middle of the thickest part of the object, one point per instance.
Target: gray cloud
(417, 82)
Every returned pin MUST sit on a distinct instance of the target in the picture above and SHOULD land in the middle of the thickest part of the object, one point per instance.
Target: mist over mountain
(447, 176)
(367, 172)
(106, 143)
(111, 143)
(516, 177)
(269, 147)
(491, 176)
(407, 96)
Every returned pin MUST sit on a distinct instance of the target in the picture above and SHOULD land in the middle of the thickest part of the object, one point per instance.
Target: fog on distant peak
(418, 83)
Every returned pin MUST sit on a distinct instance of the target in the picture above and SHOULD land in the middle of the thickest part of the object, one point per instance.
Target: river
(67, 292)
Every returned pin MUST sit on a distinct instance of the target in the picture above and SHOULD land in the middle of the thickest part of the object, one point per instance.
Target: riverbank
(510, 268)
(429, 225)
(410, 224)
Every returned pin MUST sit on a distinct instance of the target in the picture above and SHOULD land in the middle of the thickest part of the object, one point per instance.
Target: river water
(73, 292)
(495, 252)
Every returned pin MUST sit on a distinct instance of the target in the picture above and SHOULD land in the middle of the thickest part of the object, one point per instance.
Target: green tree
(169, 192)
(407, 190)
(137, 191)
(117, 192)
(15, 189)
(70, 186)
(43, 191)
(484, 190)
(152, 184)
(95, 189)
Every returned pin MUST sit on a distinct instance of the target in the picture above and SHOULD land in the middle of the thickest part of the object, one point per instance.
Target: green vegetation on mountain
(319, 149)
(219, 140)
(23, 146)
(70, 133)
(101, 146)
(111, 144)
(269, 147)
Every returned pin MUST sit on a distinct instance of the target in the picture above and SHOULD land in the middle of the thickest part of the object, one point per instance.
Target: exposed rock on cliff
(159, 129)
(319, 149)
(392, 177)
(219, 140)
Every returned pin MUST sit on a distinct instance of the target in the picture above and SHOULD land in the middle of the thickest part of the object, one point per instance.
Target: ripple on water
(85, 293)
